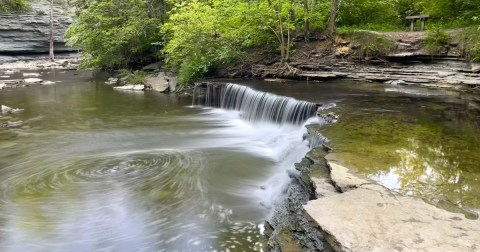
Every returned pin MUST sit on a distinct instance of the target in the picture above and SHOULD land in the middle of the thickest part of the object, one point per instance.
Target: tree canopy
(195, 36)
(13, 5)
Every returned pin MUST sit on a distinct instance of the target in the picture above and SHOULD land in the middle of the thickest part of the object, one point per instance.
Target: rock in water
(2, 85)
(32, 80)
(131, 87)
(159, 83)
(8, 110)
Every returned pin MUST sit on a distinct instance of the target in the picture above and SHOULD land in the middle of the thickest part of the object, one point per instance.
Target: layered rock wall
(28, 33)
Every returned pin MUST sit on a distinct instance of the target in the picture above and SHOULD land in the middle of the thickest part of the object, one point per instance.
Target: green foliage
(8, 6)
(469, 43)
(451, 13)
(367, 12)
(115, 33)
(135, 77)
(371, 44)
(435, 41)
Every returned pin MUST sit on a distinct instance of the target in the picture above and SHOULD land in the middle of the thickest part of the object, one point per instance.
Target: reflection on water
(93, 169)
(417, 145)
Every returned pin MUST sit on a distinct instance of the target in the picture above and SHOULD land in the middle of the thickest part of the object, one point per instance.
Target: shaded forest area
(193, 37)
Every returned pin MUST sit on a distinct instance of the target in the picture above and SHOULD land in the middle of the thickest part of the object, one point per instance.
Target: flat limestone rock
(131, 87)
(343, 180)
(375, 220)
(369, 217)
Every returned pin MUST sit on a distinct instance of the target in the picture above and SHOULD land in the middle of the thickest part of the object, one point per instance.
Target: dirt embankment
(396, 58)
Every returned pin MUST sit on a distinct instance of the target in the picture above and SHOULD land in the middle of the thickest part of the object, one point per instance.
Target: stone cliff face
(27, 33)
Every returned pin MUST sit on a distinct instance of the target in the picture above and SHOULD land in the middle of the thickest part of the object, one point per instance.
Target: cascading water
(276, 121)
(254, 105)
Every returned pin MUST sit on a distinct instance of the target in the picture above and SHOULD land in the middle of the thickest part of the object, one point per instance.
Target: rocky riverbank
(405, 63)
(346, 212)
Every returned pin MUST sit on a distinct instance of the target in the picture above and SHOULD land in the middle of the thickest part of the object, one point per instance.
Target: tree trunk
(51, 55)
(333, 16)
(306, 19)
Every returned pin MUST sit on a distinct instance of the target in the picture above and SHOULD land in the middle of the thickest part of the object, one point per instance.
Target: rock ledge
(369, 217)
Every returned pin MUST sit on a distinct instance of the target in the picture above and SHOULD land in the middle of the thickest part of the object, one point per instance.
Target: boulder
(159, 83)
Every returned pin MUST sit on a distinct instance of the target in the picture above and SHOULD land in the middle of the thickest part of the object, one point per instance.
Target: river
(96, 169)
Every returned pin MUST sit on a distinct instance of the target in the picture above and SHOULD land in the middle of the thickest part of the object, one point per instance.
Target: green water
(426, 146)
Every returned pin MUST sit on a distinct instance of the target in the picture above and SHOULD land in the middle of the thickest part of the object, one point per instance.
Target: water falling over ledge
(254, 105)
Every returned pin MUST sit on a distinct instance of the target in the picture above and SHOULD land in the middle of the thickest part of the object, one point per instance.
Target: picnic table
(414, 19)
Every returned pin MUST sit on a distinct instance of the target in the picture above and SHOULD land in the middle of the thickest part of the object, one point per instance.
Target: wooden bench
(413, 20)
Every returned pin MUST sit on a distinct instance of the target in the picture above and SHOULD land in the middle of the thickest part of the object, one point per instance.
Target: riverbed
(93, 168)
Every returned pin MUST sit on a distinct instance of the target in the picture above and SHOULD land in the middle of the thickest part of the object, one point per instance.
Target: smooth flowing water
(93, 169)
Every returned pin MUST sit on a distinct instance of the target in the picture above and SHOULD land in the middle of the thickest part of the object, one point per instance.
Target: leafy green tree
(116, 33)
(13, 5)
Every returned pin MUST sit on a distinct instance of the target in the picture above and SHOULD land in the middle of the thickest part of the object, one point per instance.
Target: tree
(7, 6)
(116, 33)
(51, 54)
(333, 16)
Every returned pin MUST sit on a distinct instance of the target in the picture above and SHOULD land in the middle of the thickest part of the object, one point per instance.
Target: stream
(97, 169)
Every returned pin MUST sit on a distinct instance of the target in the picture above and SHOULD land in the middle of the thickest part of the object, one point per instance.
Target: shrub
(137, 77)
(7, 6)
(469, 43)
(435, 41)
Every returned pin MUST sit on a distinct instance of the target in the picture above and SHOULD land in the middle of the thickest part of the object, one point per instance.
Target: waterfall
(254, 105)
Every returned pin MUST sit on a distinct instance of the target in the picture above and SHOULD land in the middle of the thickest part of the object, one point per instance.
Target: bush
(115, 33)
(435, 41)
(469, 43)
(8, 6)
(137, 77)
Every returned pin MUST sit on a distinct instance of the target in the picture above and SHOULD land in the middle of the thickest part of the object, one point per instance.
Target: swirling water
(93, 169)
